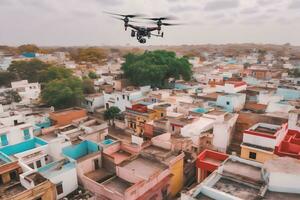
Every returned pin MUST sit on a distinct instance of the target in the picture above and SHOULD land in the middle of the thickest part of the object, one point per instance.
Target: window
(123, 96)
(31, 165)
(96, 163)
(227, 103)
(59, 188)
(38, 164)
(173, 128)
(252, 155)
(161, 114)
(26, 134)
(128, 98)
(3, 140)
(117, 98)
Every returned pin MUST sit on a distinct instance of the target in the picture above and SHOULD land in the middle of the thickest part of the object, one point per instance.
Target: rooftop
(144, 167)
(81, 150)
(23, 146)
(238, 189)
(56, 168)
(117, 184)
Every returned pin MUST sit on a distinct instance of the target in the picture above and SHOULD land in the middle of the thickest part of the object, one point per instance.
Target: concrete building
(28, 91)
(62, 174)
(237, 178)
(260, 140)
(125, 98)
(93, 101)
(231, 86)
(138, 115)
(65, 117)
(207, 162)
(231, 102)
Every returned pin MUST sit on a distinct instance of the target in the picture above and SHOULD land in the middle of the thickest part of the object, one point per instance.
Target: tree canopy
(111, 113)
(6, 78)
(63, 93)
(88, 86)
(92, 75)
(155, 68)
(28, 70)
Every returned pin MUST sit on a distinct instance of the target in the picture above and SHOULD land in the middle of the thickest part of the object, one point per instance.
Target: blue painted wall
(82, 149)
(288, 94)
(222, 101)
(23, 146)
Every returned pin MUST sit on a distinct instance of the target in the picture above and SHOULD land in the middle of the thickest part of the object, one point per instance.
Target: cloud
(221, 5)
(217, 16)
(110, 2)
(295, 4)
(183, 8)
(249, 11)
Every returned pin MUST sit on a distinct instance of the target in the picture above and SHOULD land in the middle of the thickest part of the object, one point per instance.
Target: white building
(94, 101)
(125, 98)
(27, 91)
(231, 87)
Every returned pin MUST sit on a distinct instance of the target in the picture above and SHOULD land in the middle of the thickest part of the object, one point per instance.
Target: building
(231, 102)
(62, 174)
(237, 178)
(19, 183)
(93, 101)
(28, 91)
(260, 140)
(207, 162)
(231, 86)
(125, 98)
(65, 117)
(10, 135)
(138, 115)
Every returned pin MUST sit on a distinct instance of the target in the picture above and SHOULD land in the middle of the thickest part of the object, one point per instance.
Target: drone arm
(132, 26)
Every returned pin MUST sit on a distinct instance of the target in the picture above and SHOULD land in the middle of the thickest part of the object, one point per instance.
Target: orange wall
(65, 117)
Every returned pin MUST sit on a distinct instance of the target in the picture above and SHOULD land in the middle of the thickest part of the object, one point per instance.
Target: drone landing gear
(132, 33)
(142, 40)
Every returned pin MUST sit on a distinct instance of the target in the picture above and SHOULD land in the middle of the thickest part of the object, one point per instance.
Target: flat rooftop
(10, 189)
(100, 175)
(280, 195)
(117, 184)
(238, 189)
(264, 129)
(143, 167)
(239, 169)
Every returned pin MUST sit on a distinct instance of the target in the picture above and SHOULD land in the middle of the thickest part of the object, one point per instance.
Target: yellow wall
(177, 178)
(261, 156)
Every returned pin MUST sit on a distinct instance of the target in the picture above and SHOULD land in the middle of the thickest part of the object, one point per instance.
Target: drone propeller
(123, 19)
(160, 18)
(167, 24)
(129, 16)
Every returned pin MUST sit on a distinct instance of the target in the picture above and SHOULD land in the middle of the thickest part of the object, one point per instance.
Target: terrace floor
(9, 190)
(236, 189)
(118, 184)
(99, 175)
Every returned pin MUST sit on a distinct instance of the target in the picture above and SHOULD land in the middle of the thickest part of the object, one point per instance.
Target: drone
(143, 32)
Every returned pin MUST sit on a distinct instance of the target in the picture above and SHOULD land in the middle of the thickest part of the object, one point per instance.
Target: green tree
(88, 86)
(92, 75)
(54, 72)
(111, 113)
(155, 68)
(63, 93)
(28, 70)
(6, 78)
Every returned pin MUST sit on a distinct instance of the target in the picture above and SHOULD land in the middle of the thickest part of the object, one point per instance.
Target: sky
(83, 22)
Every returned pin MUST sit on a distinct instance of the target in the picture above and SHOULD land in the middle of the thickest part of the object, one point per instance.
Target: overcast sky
(82, 22)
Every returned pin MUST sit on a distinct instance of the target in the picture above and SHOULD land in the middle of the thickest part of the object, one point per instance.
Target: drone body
(143, 32)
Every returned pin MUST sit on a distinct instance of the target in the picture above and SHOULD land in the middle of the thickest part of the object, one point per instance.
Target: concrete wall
(261, 156)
